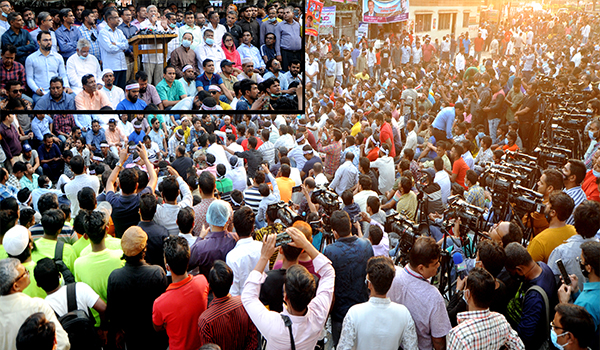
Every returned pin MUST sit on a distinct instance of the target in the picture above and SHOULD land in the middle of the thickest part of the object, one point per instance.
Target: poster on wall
(362, 31)
(385, 11)
(313, 17)
(328, 17)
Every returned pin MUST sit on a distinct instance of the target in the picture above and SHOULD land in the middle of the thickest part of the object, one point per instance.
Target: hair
(562, 204)
(375, 234)
(578, 169)
(472, 177)
(438, 163)
(515, 234)
(46, 274)
(77, 164)
(424, 252)
(381, 272)
(170, 188)
(36, 332)
(177, 253)
(206, 182)
(9, 48)
(148, 205)
(340, 221)
(577, 320)
(128, 180)
(25, 216)
(347, 197)
(587, 218)
(300, 287)
(95, 226)
(491, 255)
(243, 221)
(53, 221)
(141, 75)
(591, 254)
(516, 255)
(167, 68)
(554, 178)
(365, 182)
(220, 278)
(374, 203)
(185, 220)
(482, 285)
(8, 274)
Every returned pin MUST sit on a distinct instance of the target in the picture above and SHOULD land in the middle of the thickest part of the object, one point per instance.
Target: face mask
(209, 41)
(273, 20)
(4, 14)
(591, 135)
(84, 57)
(172, 25)
(554, 338)
(596, 173)
(275, 95)
(186, 43)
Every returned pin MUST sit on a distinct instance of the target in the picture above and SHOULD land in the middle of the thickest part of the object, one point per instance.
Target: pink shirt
(114, 138)
(83, 100)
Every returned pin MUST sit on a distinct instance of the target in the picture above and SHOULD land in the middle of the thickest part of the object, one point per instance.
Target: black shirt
(531, 102)
(131, 292)
(125, 210)
(182, 164)
(254, 159)
(253, 27)
(156, 237)
(271, 291)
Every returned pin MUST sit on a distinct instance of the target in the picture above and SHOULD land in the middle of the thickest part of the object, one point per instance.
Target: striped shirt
(578, 196)
(332, 159)
(227, 324)
(267, 149)
(252, 198)
(483, 330)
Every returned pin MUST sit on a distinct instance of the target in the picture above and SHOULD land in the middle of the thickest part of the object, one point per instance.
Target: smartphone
(283, 238)
(132, 148)
(296, 189)
(563, 272)
(356, 218)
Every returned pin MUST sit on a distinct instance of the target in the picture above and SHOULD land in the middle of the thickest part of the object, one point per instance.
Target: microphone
(461, 267)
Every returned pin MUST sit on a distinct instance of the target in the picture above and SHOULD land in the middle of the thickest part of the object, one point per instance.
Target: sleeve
(29, 71)
(161, 92)
(530, 317)
(26, 49)
(274, 183)
(321, 303)
(409, 337)
(439, 320)
(456, 342)
(449, 127)
(157, 317)
(267, 322)
(513, 342)
(72, 75)
(62, 338)
(106, 44)
(536, 250)
(278, 40)
(205, 331)
(186, 194)
(348, 334)
(87, 294)
(235, 289)
(63, 73)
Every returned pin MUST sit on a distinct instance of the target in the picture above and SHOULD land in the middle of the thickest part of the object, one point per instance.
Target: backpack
(78, 325)
(62, 267)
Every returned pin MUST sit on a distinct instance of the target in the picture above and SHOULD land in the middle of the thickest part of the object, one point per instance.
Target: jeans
(493, 124)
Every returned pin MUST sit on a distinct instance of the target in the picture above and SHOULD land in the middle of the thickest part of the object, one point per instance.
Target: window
(445, 20)
(422, 23)
(466, 19)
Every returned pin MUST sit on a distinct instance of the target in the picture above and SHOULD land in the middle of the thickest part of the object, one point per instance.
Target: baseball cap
(16, 240)
(26, 148)
(112, 120)
(226, 63)
(133, 241)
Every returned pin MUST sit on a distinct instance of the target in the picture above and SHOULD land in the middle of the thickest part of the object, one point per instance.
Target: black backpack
(78, 324)
(62, 267)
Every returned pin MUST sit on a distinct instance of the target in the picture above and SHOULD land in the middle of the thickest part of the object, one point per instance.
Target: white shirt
(306, 329)
(242, 259)
(112, 49)
(238, 177)
(235, 147)
(15, 308)
(218, 32)
(585, 31)
(188, 237)
(167, 213)
(152, 58)
(86, 298)
(190, 89)
(220, 156)
(77, 68)
(213, 52)
(442, 179)
(387, 172)
(411, 141)
(361, 198)
(321, 179)
(126, 128)
(153, 151)
(445, 46)
(312, 68)
(115, 95)
(460, 62)
(367, 326)
(484, 33)
(75, 185)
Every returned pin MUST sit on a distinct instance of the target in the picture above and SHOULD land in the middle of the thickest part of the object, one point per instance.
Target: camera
(470, 215)
(406, 232)
(284, 213)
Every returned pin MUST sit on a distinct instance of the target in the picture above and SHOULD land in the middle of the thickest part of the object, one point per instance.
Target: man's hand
(278, 57)
(40, 92)
(259, 103)
(123, 154)
(172, 171)
(460, 283)
(364, 217)
(268, 247)
(68, 90)
(141, 149)
(265, 168)
(564, 293)
(204, 231)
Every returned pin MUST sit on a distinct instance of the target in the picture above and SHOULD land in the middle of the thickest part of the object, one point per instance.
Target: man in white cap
(215, 91)
(113, 45)
(115, 94)
(248, 71)
(18, 244)
(15, 306)
(188, 80)
(131, 100)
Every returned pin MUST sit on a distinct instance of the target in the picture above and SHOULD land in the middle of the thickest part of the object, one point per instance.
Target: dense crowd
(282, 231)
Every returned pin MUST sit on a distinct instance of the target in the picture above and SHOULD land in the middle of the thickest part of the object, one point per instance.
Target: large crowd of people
(244, 231)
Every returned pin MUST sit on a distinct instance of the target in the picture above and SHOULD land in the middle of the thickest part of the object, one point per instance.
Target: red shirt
(258, 143)
(479, 44)
(386, 133)
(232, 128)
(373, 154)
(460, 167)
(179, 308)
(590, 188)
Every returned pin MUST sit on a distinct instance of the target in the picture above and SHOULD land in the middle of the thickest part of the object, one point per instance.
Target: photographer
(550, 181)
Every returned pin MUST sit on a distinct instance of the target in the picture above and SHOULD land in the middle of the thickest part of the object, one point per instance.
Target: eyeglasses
(22, 275)
(554, 327)
(367, 281)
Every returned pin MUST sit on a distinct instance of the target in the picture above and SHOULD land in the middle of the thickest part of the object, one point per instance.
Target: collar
(180, 284)
(414, 273)
(591, 286)
(379, 301)
(462, 316)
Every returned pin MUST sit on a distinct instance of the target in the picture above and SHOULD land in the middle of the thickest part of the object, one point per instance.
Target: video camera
(284, 213)
(407, 231)
(550, 156)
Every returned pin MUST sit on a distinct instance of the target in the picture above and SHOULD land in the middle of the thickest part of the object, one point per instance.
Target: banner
(385, 11)
(362, 31)
(328, 16)
(313, 17)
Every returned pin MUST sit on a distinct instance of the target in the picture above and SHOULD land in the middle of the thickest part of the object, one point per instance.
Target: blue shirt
(113, 55)
(95, 139)
(242, 104)
(203, 81)
(7, 191)
(268, 52)
(127, 105)
(251, 52)
(86, 33)
(589, 298)
(46, 102)
(137, 138)
(283, 81)
(128, 32)
(466, 43)
(40, 69)
(23, 41)
(41, 127)
(444, 121)
(330, 66)
(67, 40)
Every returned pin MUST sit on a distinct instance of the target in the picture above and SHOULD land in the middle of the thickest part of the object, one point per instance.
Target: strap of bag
(58, 250)
(71, 297)
(546, 304)
(288, 324)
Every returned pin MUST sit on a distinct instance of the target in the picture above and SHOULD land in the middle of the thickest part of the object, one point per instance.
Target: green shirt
(45, 249)
(111, 243)
(3, 254)
(80, 244)
(172, 93)
(33, 290)
(225, 185)
(94, 270)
